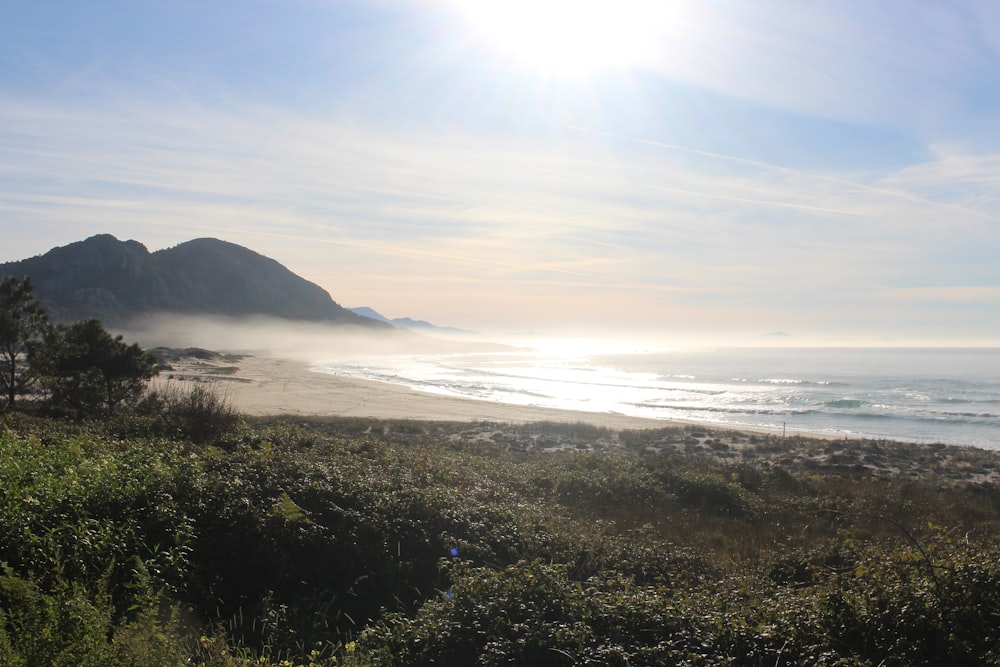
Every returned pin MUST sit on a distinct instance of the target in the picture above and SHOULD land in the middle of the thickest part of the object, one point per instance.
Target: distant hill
(119, 281)
(403, 322)
(371, 313)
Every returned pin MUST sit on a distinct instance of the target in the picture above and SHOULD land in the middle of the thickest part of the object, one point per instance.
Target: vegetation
(80, 368)
(161, 527)
(23, 322)
(137, 540)
(88, 371)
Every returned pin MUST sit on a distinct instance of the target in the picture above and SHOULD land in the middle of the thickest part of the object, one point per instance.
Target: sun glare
(569, 37)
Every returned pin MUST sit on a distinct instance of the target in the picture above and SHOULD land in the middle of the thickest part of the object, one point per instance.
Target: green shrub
(532, 614)
(73, 627)
(201, 414)
(296, 544)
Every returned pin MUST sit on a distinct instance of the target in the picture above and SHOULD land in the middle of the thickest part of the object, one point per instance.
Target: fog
(314, 341)
(299, 340)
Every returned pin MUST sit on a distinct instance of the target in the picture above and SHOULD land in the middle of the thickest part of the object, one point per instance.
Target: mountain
(118, 281)
(403, 322)
(370, 313)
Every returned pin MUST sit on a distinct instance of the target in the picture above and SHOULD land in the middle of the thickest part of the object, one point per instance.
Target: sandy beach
(266, 385)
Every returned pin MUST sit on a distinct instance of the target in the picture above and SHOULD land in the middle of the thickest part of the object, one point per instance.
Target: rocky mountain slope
(119, 281)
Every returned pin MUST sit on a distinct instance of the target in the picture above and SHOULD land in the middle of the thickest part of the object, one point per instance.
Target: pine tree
(23, 323)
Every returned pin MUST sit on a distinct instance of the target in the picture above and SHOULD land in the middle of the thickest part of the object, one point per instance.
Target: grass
(188, 534)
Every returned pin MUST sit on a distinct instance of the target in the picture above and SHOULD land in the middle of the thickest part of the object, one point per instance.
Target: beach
(946, 396)
(262, 385)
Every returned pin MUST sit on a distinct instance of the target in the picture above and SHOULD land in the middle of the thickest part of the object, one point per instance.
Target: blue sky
(680, 170)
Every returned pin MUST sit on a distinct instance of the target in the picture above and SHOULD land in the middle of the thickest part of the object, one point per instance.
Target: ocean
(946, 395)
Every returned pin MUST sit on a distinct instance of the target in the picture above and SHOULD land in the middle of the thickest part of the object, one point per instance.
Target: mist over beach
(912, 394)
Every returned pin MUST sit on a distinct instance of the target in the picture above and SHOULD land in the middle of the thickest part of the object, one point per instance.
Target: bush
(534, 614)
(71, 626)
(312, 545)
(201, 414)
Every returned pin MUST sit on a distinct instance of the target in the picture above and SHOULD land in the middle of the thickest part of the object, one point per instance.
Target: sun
(569, 37)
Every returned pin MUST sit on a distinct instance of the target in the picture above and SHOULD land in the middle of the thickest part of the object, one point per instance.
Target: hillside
(118, 281)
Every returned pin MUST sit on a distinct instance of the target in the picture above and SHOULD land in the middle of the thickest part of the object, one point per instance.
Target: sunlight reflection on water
(900, 394)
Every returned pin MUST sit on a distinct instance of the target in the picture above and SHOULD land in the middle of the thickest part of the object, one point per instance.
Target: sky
(822, 172)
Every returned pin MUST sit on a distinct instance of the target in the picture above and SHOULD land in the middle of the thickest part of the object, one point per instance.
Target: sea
(927, 395)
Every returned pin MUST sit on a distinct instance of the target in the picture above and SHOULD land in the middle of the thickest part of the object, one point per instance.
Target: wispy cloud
(442, 222)
(986, 294)
(889, 63)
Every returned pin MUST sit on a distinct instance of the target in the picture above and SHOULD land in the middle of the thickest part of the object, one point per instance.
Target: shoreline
(260, 384)
(264, 385)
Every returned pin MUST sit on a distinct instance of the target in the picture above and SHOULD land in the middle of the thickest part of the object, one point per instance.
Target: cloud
(894, 63)
(449, 225)
(952, 294)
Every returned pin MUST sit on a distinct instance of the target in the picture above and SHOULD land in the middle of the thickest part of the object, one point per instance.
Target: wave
(612, 384)
(785, 381)
(821, 394)
(724, 409)
(970, 401)
(793, 381)
(844, 403)
(972, 415)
